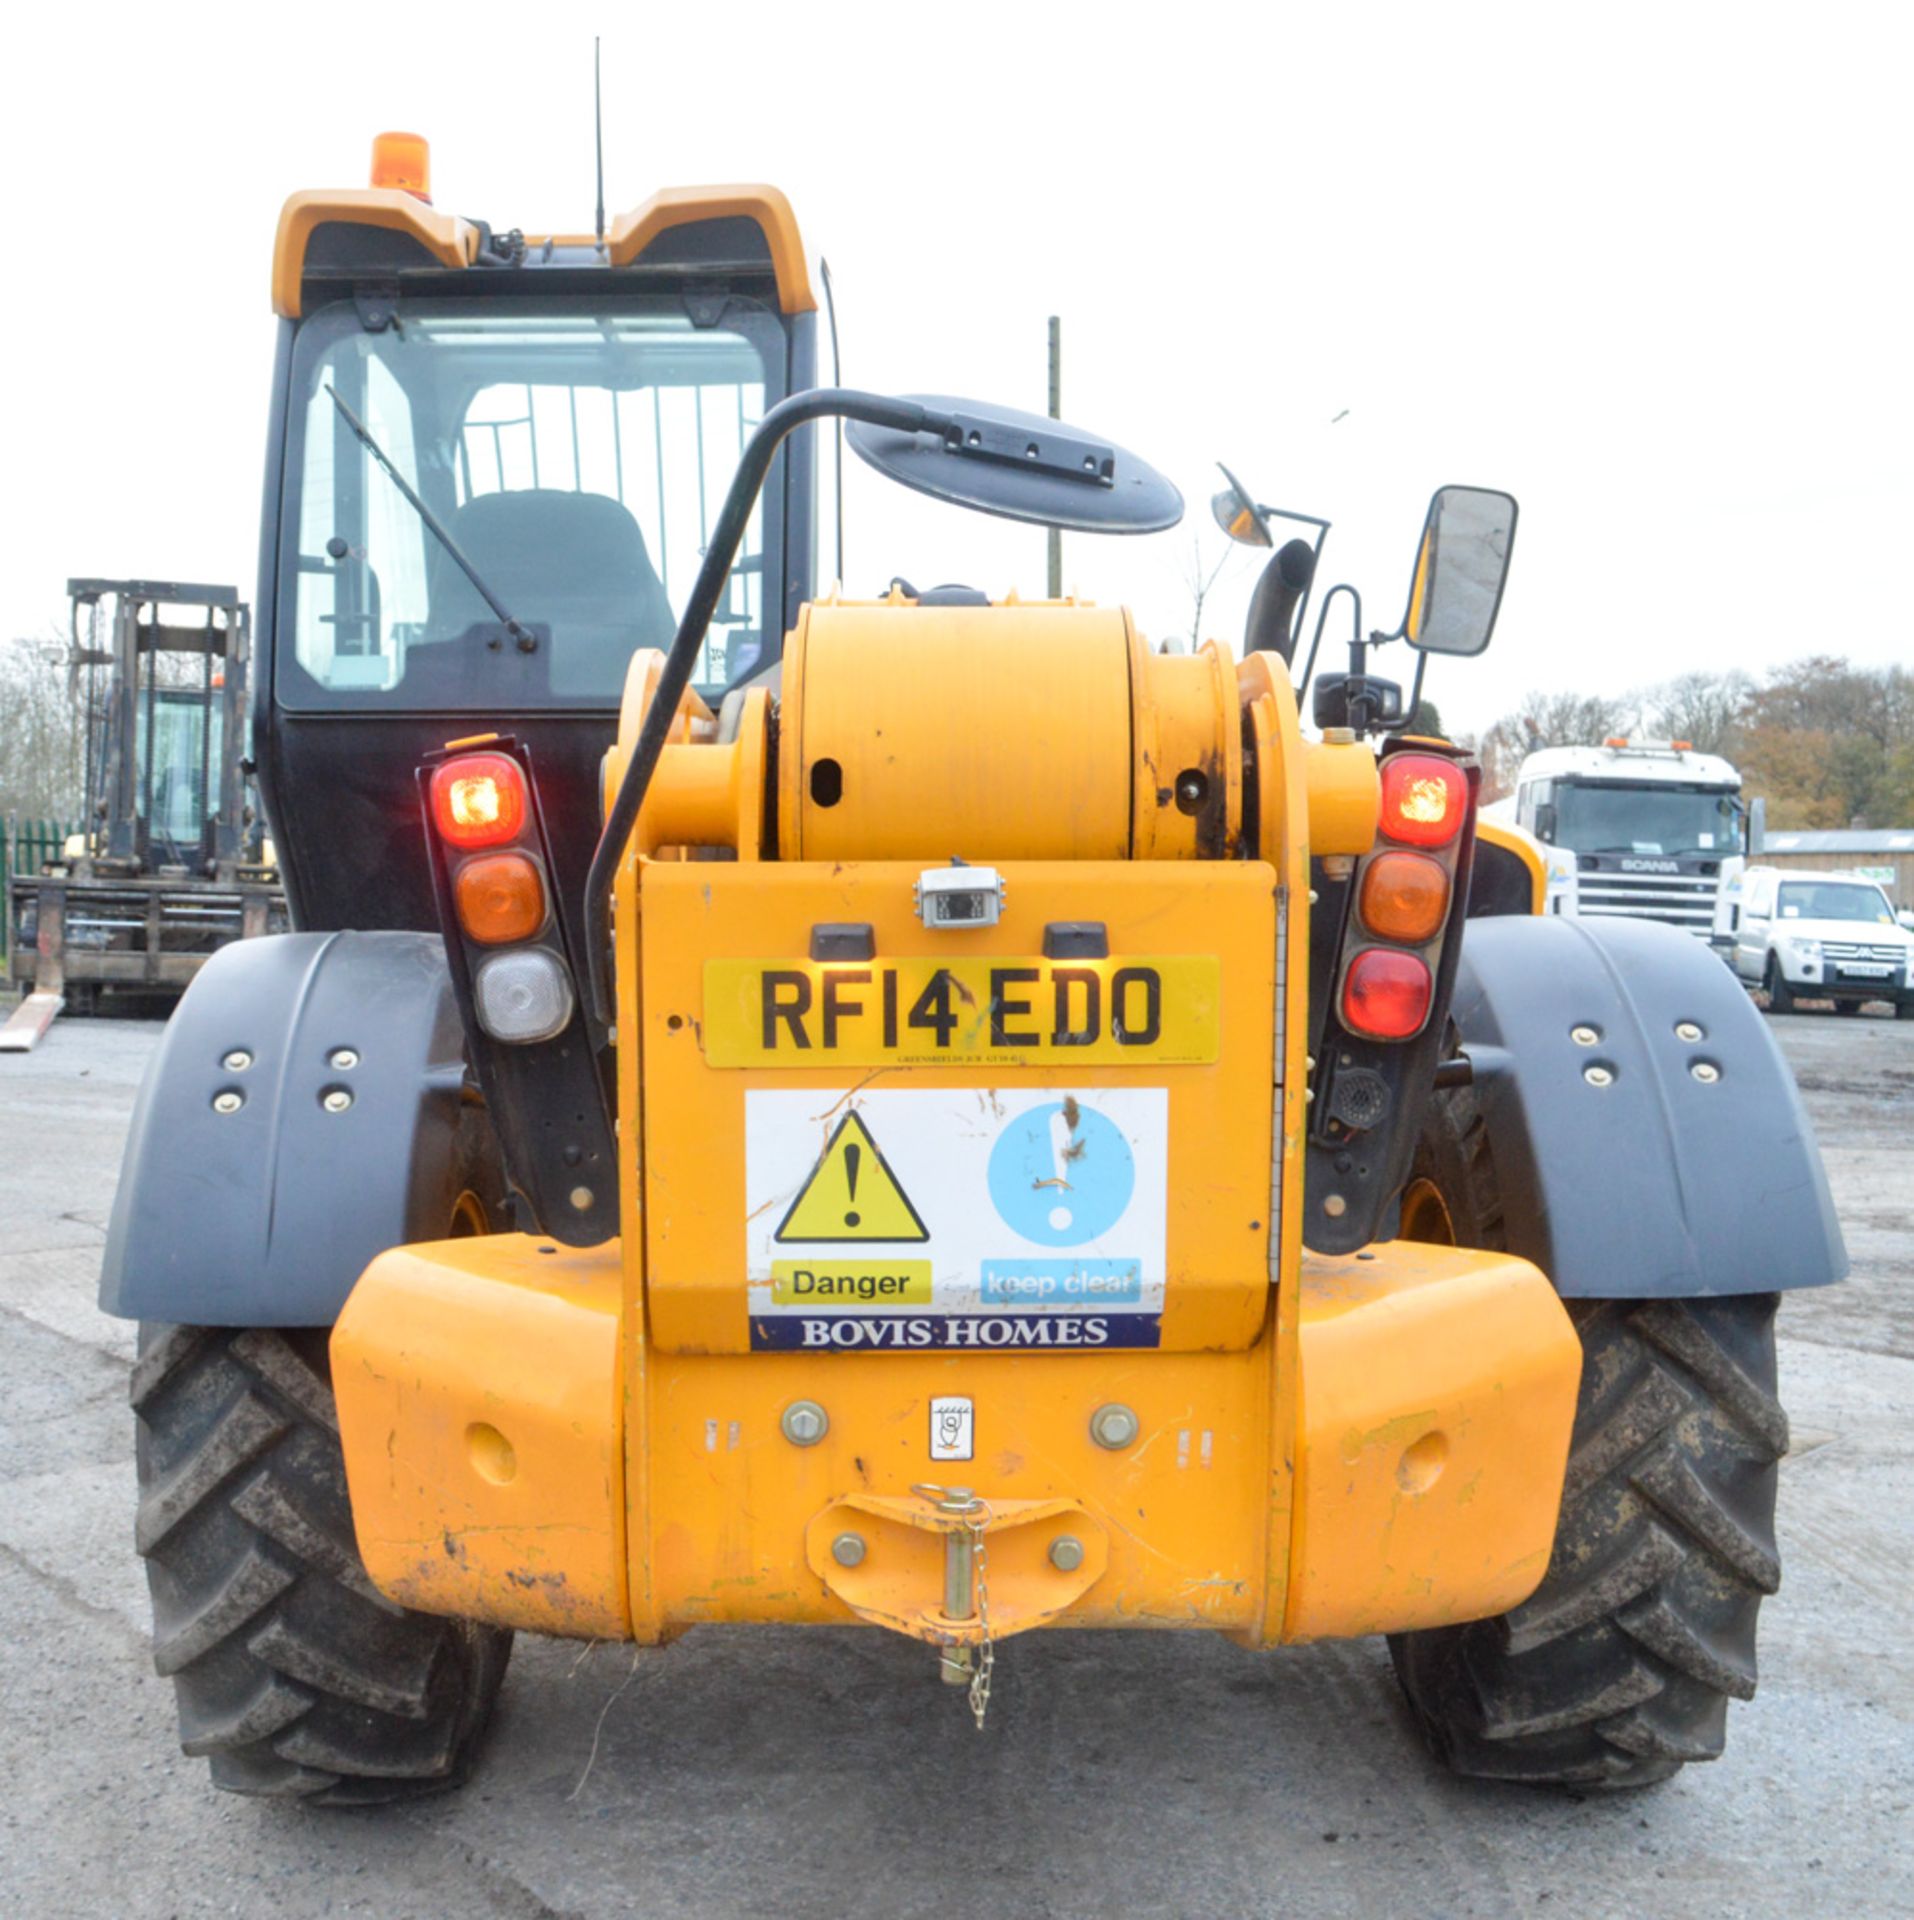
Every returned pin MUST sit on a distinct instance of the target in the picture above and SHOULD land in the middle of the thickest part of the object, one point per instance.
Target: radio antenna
(598, 134)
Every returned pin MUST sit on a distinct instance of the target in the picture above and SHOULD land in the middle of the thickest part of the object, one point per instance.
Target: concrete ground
(824, 1773)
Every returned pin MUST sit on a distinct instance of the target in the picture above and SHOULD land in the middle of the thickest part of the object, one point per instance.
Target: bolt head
(228, 1100)
(1706, 1072)
(804, 1423)
(237, 1061)
(1066, 1553)
(1584, 1035)
(848, 1549)
(1598, 1076)
(1114, 1425)
(342, 1059)
(1689, 1031)
(335, 1099)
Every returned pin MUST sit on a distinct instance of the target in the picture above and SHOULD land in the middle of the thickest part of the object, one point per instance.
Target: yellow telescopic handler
(920, 1111)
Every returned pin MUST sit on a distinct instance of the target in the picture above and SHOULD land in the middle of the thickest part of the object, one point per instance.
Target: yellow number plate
(998, 1012)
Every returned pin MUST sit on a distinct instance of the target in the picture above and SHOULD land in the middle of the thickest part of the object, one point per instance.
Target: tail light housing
(1384, 945)
(528, 1042)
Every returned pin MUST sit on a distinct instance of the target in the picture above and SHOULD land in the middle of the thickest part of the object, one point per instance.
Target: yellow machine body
(835, 1119)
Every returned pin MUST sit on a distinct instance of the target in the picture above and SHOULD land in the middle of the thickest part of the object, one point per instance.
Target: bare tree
(1708, 710)
(1549, 720)
(41, 750)
(1200, 578)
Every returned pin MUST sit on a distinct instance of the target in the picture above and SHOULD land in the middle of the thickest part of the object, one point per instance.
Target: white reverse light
(523, 996)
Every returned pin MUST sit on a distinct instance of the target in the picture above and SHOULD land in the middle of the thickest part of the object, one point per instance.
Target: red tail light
(1424, 799)
(1386, 994)
(478, 800)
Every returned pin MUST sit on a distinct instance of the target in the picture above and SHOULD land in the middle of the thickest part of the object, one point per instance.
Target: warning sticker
(956, 1218)
(851, 1195)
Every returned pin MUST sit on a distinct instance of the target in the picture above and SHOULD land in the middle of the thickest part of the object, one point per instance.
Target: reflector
(478, 800)
(1423, 799)
(1386, 994)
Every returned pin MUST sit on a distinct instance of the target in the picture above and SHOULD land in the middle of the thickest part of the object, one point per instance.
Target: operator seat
(574, 561)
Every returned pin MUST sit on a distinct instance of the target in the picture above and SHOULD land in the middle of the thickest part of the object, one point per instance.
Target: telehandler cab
(917, 1111)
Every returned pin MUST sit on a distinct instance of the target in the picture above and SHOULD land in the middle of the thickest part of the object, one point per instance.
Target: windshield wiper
(526, 638)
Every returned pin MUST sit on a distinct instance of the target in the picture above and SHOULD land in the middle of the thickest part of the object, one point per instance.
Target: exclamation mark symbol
(1063, 1150)
(853, 1153)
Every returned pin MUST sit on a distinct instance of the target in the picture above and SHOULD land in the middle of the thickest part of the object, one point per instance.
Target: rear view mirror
(1236, 513)
(1461, 568)
(1757, 825)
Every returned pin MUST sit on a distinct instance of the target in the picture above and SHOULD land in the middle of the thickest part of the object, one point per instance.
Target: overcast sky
(1645, 267)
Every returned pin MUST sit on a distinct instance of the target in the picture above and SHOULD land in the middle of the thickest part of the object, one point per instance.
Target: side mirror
(1757, 825)
(1236, 513)
(1461, 568)
(1545, 822)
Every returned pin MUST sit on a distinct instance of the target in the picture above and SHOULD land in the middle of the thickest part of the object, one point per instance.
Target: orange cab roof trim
(454, 242)
(631, 233)
(451, 241)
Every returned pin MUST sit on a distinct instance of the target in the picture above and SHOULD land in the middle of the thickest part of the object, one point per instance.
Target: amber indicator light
(1404, 897)
(500, 898)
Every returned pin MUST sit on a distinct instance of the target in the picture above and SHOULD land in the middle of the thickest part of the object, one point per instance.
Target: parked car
(1822, 936)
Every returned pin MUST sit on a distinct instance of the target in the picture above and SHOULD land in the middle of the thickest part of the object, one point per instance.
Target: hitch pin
(954, 1666)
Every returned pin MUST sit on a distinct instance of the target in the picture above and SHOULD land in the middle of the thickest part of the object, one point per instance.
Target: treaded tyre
(1620, 1668)
(295, 1676)
(1780, 994)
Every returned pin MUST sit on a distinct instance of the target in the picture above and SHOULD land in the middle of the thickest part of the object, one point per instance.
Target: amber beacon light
(403, 160)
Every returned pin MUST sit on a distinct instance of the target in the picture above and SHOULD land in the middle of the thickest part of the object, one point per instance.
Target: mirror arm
(1322, 615)
(754, 465)
(1415, 691)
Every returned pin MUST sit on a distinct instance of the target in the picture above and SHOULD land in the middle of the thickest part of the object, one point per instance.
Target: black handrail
(818, 403)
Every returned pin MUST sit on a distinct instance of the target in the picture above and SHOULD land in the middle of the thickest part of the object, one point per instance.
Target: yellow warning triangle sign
(851, 1195)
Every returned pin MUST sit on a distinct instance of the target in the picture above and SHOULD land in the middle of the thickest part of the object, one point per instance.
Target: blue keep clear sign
(1036, 1218)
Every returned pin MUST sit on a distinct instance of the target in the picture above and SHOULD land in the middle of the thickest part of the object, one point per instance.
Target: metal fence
(25, 846)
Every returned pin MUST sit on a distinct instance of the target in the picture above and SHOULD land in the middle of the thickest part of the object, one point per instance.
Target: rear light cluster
(1405, 890)
(482, 813)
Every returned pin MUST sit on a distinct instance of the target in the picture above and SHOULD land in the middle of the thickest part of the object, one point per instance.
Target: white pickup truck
(1822, 936)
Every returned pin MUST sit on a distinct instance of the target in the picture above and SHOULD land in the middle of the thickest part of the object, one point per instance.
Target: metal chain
(976, 1518)
(986, 1655)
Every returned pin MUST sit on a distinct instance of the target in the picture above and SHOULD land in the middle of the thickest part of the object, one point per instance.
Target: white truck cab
(1644, 830)
(1822, 936)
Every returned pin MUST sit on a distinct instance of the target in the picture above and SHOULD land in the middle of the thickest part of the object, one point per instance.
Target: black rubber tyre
(1780, 995)
(1620, 1668)
(295, 1676)
(1904, 1009)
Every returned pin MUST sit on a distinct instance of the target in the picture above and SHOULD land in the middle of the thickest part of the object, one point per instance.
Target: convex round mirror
(1461, 568)
(1236, 513)
(1022, 466)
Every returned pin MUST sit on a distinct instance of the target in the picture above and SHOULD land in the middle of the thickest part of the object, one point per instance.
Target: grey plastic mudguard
(1656, 1184)
(265, 1215)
